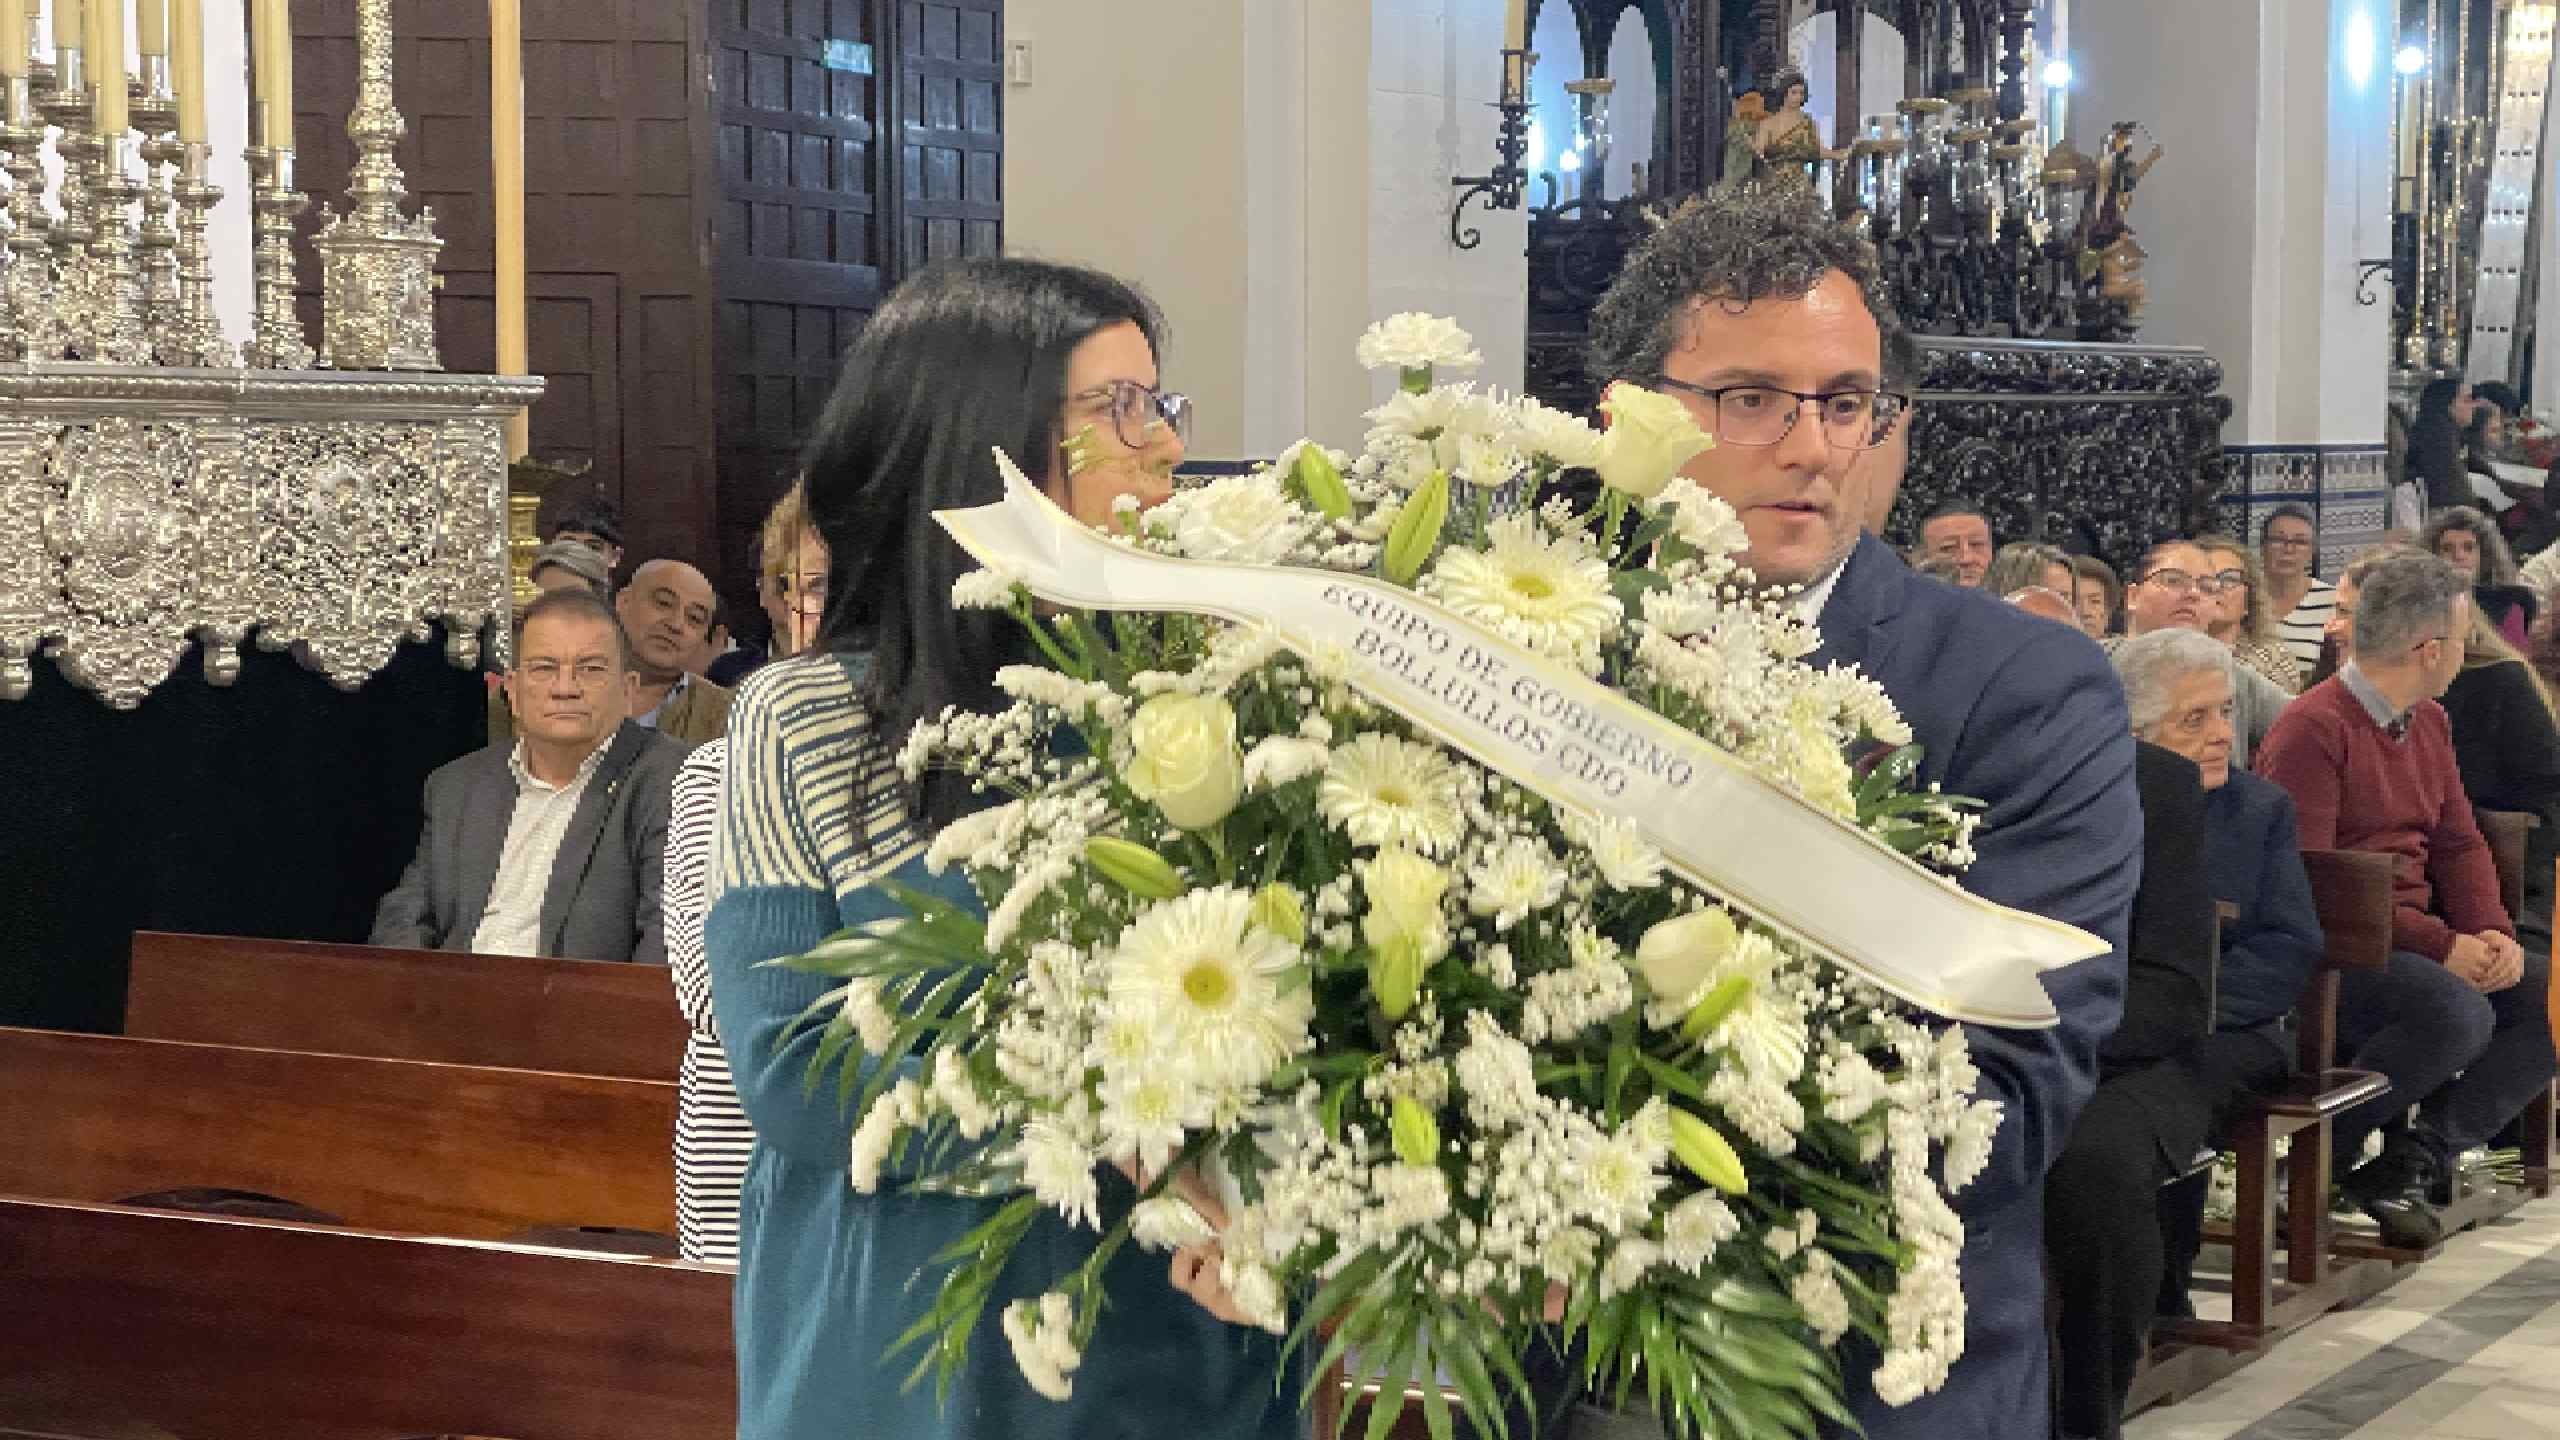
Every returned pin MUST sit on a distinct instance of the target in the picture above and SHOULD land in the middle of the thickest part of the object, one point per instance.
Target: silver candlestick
(29, 329)
(155, 114)
(117, 295)
(278, 343)
(66, 104)
(377, 277)
(196, 337)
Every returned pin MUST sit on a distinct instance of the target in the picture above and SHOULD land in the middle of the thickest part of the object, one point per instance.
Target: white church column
(2272, 188)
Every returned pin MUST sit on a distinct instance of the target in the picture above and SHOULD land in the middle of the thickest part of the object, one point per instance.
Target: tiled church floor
(2466, 1347)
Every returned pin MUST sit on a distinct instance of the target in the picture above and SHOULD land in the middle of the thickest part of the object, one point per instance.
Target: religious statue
(2118, 174)
(1772, 147)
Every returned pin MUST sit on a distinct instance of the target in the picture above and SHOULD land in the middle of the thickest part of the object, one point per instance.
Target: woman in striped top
(713, 1137)
(2288, 546)
(966, 356)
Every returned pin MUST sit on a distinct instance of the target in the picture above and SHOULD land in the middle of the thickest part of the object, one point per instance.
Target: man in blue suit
(1770, 321)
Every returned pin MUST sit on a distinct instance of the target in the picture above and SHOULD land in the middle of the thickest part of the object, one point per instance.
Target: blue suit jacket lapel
(1857, 621)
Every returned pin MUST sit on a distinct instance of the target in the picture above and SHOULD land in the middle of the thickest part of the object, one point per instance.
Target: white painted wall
(1635, 104)
(1290, 183)
(2197, 214)
(1436, 72)
(2276, 180)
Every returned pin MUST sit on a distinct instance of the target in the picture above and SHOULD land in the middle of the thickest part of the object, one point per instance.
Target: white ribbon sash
(1587, 749)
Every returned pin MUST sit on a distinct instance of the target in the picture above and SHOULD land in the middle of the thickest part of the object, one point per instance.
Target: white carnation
(983, 590)
(1243, 519)
(1278, 760)
(1415, 340)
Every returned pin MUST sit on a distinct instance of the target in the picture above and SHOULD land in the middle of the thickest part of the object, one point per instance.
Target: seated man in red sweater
(2368, 757)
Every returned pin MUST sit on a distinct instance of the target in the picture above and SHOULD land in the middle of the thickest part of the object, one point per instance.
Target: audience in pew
(791, 585)
(570, 564)
(593, 521)
(2458, 1019)
(2288, 551)
(2468, 541)
(1959, 531)
(2242, 619)
(2026, 564)
(2196, 1041)
(552, 843)
(668, 610)
(2095, 595)
(2178, 587)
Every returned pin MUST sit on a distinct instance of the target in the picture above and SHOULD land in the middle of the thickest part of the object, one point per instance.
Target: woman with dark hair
(1056, 366)
(2470, 542)
(2439, 462)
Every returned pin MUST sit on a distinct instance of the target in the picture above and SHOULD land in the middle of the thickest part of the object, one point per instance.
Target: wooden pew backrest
(394, 1145)
(219, 1329)
(579, 1016)
(2508, 832)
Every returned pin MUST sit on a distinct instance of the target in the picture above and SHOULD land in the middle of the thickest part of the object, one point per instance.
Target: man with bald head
(667, 610)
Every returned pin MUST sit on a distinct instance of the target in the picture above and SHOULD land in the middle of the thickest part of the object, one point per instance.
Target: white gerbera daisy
(1213, 987)
(1548, 593)
(1385, 791)
(1414, 340)
(1146, 1109)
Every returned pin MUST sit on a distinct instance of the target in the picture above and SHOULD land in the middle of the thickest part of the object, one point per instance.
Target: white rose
(1651, 435)
(1678, 955)
(1183, 758)
(1404, 901)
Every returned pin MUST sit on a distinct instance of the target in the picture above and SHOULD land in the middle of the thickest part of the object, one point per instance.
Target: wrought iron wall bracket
(1508, 185)
(2365, 271)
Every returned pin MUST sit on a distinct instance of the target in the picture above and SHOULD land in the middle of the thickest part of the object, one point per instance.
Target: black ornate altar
(2102, 449)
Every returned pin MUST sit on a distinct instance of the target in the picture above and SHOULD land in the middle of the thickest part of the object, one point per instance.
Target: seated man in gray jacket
(554, 843)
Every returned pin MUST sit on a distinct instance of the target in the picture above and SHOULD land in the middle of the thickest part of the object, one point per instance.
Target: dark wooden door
(619, 290)
(800, 246)
(857, 140)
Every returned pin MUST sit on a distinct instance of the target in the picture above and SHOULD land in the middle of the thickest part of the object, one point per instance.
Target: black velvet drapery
(279, 806)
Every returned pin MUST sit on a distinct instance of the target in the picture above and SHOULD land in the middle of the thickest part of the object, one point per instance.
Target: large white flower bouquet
(1445, 1051)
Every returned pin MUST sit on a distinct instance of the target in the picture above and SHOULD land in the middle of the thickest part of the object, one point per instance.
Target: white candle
(152, 26)
(68, 25)
(13, 37)
(186, 66)
(106, 67)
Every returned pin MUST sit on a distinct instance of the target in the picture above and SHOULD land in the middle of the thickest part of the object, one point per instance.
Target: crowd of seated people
(2280, 712)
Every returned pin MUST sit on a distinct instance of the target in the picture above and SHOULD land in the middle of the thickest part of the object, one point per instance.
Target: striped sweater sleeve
(808, 821)
(690, 822)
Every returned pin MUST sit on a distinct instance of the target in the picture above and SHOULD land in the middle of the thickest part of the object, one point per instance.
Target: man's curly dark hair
(1755, 244)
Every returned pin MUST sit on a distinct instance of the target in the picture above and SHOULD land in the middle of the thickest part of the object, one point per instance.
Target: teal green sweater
(810, 824)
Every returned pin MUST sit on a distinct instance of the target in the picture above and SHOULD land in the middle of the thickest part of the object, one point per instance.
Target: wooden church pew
(578, 1016)
(117, 1322)
(395, 1145)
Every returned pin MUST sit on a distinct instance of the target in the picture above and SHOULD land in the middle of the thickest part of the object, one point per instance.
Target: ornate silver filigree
(377, 265)
(329, 515)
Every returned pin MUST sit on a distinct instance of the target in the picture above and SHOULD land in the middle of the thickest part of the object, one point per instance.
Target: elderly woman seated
(2190, 1050)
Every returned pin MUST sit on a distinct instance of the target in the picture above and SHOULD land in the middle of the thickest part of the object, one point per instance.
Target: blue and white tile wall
(2345, 486)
